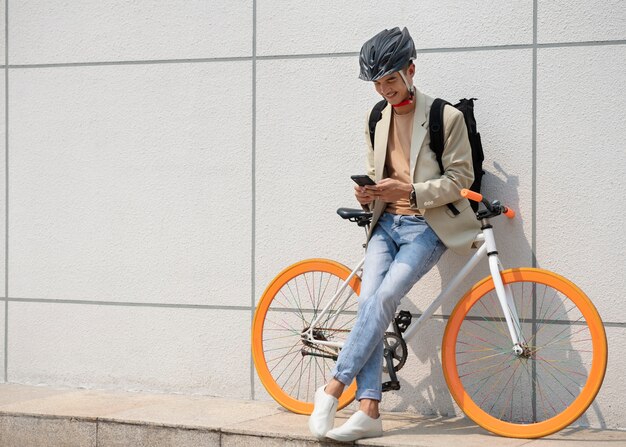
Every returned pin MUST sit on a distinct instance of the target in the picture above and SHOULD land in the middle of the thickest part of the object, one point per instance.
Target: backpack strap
(375, 117)
(437, 138)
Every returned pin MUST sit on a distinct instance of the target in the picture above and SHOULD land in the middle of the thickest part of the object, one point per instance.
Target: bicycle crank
(398, 350)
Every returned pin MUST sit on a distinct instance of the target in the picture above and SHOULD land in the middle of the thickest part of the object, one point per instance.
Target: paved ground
(39, 416)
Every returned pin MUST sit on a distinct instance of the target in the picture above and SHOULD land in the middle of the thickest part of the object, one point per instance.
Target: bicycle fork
(503, 292)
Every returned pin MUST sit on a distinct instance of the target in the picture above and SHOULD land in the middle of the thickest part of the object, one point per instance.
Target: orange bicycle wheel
(290, 367)
(550, 384)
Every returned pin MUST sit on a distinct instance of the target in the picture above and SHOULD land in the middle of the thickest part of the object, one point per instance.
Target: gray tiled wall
(165, 160)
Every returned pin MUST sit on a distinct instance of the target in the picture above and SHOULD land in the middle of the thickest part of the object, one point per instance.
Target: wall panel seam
(253, 195)
(6, 190)
(534, 194)
(126, 304)
(319, 55)
(201, 307)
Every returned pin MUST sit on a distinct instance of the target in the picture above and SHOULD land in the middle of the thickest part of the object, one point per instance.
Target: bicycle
(524, 351)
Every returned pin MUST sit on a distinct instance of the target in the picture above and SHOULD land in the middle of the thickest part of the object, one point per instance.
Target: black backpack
(437, 138)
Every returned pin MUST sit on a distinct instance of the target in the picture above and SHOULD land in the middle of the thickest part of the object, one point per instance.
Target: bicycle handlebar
(469, 194)
(509, 213)
(477, 197)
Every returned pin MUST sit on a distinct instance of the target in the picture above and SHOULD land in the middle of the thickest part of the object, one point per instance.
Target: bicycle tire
(297, 311)
(558, 378)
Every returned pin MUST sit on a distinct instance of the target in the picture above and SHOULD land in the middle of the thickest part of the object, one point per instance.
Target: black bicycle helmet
(385, 53)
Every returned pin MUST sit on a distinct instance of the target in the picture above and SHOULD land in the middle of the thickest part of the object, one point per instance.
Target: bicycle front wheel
(291, 367)
(550, 384)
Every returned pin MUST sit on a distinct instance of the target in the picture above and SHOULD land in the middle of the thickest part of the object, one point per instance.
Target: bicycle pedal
(403, 320)
(392, 385)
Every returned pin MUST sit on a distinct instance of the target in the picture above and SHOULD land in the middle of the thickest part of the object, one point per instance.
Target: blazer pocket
(461, 205)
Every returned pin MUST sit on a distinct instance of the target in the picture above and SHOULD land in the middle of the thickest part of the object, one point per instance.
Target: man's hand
(364, 197)
(389, 190)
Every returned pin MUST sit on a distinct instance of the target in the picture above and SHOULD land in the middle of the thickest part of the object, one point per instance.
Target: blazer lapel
(420, 127)
(380, 142)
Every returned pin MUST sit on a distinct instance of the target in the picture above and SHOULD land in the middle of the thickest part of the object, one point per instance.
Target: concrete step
(35, 416)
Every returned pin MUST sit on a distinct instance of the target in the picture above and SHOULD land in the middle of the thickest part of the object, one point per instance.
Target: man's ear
(411, 70)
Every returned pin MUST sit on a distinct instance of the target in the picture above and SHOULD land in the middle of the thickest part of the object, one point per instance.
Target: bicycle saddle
(352, 213)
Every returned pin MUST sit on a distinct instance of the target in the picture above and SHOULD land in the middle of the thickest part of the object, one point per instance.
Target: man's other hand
(362, 195)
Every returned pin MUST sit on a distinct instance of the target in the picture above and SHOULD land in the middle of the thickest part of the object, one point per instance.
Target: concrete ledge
(40, 416)
(33, 431)
(115, 434)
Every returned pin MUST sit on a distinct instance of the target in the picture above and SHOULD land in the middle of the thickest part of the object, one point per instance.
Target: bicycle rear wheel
(556, 378)
(291, 368)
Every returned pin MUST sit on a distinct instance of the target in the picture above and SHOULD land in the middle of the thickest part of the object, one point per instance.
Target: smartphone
(363, 180)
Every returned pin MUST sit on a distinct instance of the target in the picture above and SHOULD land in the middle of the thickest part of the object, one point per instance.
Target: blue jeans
(401, 250)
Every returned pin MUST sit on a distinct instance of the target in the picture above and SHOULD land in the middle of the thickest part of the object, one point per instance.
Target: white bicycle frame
(487, 249)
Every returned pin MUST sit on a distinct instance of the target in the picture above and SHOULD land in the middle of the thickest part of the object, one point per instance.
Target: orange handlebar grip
(469, 194)
(509, 213)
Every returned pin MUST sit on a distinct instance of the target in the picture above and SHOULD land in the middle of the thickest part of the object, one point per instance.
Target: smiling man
(411, 224)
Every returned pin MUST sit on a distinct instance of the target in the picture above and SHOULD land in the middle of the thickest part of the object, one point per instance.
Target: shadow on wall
(432, 388)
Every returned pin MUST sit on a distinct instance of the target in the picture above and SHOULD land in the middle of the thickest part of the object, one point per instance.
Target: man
(411, 224)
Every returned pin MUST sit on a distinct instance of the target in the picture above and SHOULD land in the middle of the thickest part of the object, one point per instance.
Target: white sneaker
(360, 425)
(323, 417)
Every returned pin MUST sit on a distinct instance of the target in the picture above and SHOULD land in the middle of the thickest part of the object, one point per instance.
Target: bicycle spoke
(481, 359)
(308, 382)
(510, 399)
(320, 292)
(482, 339)
(282, 357)
(296, 296)
(541, 393)
(499, 319)
(552, 393)
(299, 382)
(311, 293)
(504, 387)
(347, 308)
(564, 372)
(295, 368)
(547, 321)
(499, 333)
(486, 368)
(279, 337)
(285, 326)
(562, 338)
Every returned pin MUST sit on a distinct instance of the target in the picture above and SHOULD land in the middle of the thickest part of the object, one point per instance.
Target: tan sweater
(397, 160)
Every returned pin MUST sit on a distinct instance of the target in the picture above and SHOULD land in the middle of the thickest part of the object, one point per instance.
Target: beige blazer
(432, 189)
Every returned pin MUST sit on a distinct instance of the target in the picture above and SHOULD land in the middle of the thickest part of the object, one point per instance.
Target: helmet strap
(411, 90)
